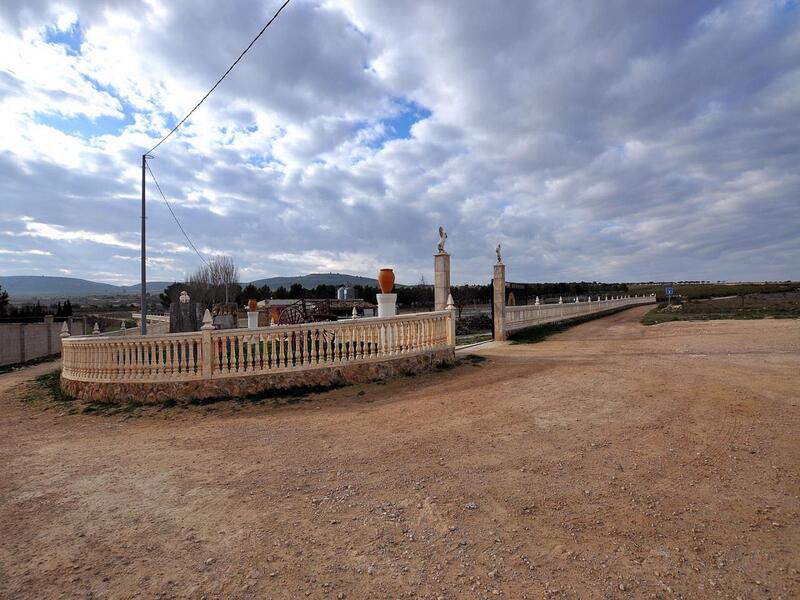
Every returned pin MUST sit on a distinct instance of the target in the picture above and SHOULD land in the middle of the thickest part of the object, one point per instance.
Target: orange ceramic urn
(252, 304)
(386, 280)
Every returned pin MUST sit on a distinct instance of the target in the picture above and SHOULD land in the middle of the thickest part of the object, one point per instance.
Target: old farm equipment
(314, 311)
(306, 311)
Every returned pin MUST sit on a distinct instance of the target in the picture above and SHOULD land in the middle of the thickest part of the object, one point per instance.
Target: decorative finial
(560, 300)
(442, 239)
(537, 301)
(64, 330)
(497, 251)
(96, 328)
(355, 313)
(450, 304)
(208, 321)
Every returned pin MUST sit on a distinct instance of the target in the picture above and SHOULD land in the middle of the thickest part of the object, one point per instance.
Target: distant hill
(314, 279)
(44, 286)
(33, 285)
(153, 287)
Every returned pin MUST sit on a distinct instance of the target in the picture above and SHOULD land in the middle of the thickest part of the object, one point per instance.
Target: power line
(183, 231)
(224, 75)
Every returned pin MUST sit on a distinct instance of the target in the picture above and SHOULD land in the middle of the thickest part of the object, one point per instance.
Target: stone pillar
(387, 305)
(441, 285)
(252, 319)
(499, 308)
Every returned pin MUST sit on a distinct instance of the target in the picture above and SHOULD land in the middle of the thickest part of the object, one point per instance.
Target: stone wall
(240, 386)
(21, 342)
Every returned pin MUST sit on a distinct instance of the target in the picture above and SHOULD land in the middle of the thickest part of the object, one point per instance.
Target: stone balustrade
(520, 317)
(132, 358)
(216, 355)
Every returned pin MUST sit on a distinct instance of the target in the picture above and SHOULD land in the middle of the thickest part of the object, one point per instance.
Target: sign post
(669, 296)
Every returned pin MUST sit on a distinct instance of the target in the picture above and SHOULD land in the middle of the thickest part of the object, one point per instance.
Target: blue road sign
(669, 291)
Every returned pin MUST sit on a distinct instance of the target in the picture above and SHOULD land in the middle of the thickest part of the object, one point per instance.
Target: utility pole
(144, 268)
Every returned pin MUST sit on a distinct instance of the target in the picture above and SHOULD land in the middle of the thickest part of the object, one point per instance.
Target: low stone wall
(235, 387)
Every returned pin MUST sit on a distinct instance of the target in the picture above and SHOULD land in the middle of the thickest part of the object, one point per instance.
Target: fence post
(64, 334)
(205, 344)
(48, 325)
(451, 330)
(499, 291)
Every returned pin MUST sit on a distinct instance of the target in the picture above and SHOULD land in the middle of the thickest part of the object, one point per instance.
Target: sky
(613, 141)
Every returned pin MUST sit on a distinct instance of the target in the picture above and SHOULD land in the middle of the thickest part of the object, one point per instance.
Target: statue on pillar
(497, 251)
(442, 239)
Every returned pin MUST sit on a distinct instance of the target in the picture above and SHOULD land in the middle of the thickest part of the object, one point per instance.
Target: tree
(3, 300)
(462, 296)
(250, 292)
(259, 293)
(223, 274)
(366, 293)
(324, 292)
(171, 293)
(281, 293)
(297, 291)
(418, 295)
(217, 281)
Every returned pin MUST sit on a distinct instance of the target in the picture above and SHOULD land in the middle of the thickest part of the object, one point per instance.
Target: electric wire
(183, 231)
(224, 75)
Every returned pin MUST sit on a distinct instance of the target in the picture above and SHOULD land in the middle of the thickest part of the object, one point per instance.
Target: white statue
(497, 251)
(184, 299)
(442, 239)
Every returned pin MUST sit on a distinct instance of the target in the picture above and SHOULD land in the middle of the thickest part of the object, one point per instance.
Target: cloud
(32, 251)
(624, 141)
(56, 232)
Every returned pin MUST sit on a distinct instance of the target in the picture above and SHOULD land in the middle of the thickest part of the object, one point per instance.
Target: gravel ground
(611, 461)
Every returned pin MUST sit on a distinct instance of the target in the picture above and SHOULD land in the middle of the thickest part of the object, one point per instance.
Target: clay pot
(252, 304)
(386, 280)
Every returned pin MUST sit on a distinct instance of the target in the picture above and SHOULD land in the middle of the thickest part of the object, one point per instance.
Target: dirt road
(610, 461)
